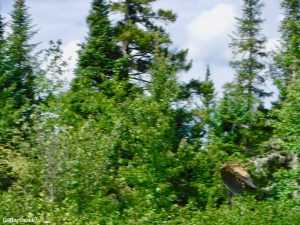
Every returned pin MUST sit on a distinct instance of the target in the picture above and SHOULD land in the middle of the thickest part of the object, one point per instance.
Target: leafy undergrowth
(245, 211)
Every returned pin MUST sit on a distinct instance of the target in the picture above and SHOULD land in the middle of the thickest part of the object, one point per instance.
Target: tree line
(128, 143)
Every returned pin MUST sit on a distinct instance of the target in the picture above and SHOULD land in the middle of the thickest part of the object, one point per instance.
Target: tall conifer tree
(3, 51)
(21, 74)
(99, 58)
(18, 82)
(287, 124)
(5, 170)
(20, 53)
(3, 78)
(2, 44)
(249, 52)
(208, 90)
(101, 63)
(287, 60)
(241, 109)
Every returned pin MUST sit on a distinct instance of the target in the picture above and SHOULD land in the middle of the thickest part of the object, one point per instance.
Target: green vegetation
(126, 143)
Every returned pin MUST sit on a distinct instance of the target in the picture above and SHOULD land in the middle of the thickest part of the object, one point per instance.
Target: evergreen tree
(101, 62)
(249, 52)
(286, 137)
(6, 173)
(138, 31)
(203, 89)
(3, 78)
(241, 115)
(21, 55)
(20, 79)
(147, 158)
(3, 58)
(286, 76)
(207, 97)
(2, 47)
(201, 97)
(208, 90)
(287, 60)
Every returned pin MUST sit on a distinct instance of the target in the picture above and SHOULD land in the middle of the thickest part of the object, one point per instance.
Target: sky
(202, 26)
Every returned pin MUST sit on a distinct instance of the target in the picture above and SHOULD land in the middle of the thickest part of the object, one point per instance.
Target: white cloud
(202, 26)
(70, 56)
(279, 17)
(208, 32)
(220, 74)
(272, 44)
(208, 40)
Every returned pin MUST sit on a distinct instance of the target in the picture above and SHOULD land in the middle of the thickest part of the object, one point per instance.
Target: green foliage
(18, 76)
(114, 151)
(20, 56)
(248, 45)
(6, 173)
(138, 31)
(240, 118)
(287, 126)
(285, 72)
(105, 62)
(240, 129)
(102, 68)
(50, 74)
(286, 58)
(2, 47)
(287, 129)
(245, 211)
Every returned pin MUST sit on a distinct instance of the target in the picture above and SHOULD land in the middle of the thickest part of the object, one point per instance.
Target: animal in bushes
(235, 177)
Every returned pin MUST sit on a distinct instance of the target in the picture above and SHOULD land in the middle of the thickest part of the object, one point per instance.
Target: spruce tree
(20, 77)
(240, 116)
(21, 54)
(3, 80)
(204, 89)
(101, 62)
(286, 137)
(249, 52)
(208, 90)
(2, 46)
(100, 58)
(3, 58)
(201, 97)
(287, 59)
(207, 97)
(6, 174)
(286, 123)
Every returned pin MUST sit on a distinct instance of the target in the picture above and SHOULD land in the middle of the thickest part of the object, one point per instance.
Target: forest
(128, 142)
